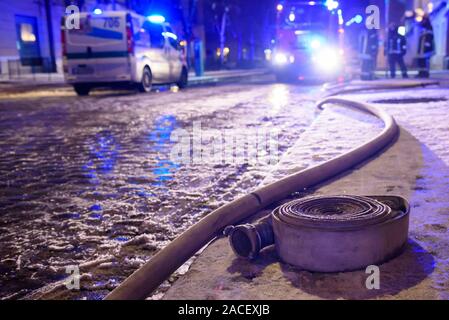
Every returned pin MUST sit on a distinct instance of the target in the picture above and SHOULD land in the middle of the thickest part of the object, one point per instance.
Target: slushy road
(89, 182)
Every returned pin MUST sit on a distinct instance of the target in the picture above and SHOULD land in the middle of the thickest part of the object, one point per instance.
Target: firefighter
(426, 48)
(369, 46)
(395, 49)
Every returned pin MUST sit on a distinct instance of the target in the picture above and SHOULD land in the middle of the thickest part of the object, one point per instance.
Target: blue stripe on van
(105, 34)
(97, 55)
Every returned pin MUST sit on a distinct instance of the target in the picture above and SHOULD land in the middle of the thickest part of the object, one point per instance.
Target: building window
(28, 41)
(27, 33)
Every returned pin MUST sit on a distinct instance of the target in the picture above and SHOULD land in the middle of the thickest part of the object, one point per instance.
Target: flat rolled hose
(329, 233)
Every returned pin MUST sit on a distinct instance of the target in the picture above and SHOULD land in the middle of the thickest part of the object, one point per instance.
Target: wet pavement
(90, 182)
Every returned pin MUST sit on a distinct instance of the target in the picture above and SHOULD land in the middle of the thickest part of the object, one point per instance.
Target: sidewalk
(416, 166)
(42, 80)
(224, 76)
(442, 75)
(33, 79)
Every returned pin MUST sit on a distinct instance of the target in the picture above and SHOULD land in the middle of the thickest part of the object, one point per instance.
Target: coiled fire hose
(328, 233)
(147, 278)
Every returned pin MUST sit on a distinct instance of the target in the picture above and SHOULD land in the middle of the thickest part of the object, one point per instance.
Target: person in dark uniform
(426, 48)
(395, 49)
(369, 47)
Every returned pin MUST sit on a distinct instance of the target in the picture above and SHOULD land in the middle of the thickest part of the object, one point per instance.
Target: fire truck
(309, 41)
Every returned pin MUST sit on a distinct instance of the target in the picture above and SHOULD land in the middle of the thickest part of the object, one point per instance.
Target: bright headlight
(328, 60)
(280, 58)
(315, 44)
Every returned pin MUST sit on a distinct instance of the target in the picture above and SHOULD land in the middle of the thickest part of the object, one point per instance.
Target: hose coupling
(247, 240)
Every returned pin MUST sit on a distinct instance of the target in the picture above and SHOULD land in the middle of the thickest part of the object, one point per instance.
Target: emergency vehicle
(121, 48)
(308, 41)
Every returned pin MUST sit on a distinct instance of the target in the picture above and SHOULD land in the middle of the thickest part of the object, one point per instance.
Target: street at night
(102, 164)
(90, 181)
(224, 150)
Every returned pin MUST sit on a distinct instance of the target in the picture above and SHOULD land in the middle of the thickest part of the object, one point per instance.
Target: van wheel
(183, 79)
(81, 89)
(147, 81)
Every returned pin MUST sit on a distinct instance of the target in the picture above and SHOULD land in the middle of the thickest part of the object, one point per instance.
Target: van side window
(172, 38)
(157, 38)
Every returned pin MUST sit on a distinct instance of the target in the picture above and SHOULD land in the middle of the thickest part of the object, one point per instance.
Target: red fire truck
(309, 41)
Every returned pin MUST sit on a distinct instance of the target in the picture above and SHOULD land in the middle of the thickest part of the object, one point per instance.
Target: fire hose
(328, 233)
(379, 85)
(148, 277)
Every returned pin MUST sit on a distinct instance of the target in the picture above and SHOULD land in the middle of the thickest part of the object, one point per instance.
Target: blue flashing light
(331, 4)
(340, 17)
(98, 11)
(156, 19)
(356, 19)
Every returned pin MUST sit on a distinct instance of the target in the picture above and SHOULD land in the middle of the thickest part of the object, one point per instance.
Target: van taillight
(129, 35)
(63, 43)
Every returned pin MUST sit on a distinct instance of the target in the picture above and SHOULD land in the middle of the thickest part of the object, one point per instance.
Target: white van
(120, 48)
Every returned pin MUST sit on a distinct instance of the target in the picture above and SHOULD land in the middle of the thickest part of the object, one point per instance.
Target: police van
(121, 48)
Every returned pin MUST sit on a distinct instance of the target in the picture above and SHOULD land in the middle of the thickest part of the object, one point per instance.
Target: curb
(17, 87)
(195, 81)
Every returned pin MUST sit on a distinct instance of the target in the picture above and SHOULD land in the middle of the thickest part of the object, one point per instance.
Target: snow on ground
(425, 115)
(325, 140)
(88, 182)
(416, 167)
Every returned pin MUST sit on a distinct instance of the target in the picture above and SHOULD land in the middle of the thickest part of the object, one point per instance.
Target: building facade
(30, 35)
